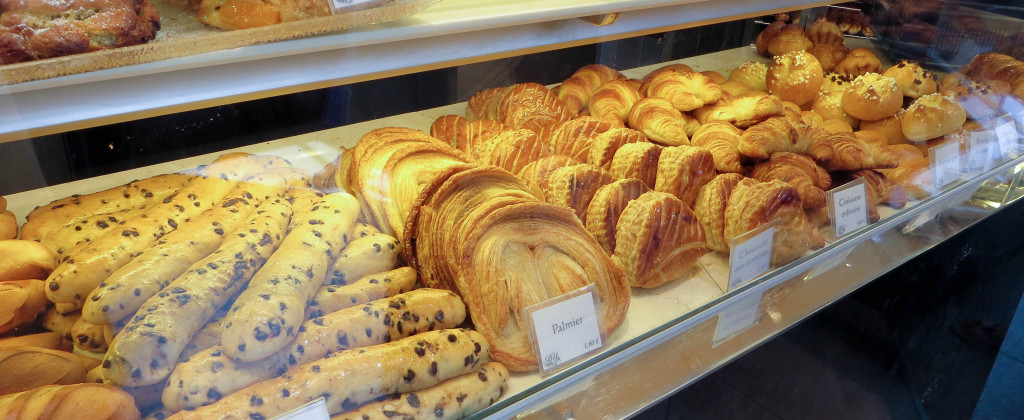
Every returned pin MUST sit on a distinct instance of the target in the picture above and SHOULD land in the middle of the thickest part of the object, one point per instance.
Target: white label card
(945, 160)
(979, 152)
(315, 410)
(740, 315)
(341, 5)
(848, 207)
(1006, 135)
(565, 328)
(751, 255)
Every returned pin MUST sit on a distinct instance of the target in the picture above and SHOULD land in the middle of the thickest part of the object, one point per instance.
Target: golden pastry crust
(784, 134)
(766, 36)
(577, 90)
(891, 127)
(526, 105)
(751, 73)
(790, 38)
(859, 61)
(824, 32)
(682, 170)
(675, 68)
(809, 179)
(872, 96)
(742, 111)
(658, 239)
(710, 208)
(795, 76)
(513, 150)
(932, 116)
(574, 138)
(574, 186)
(606, 206)
(859, 151)
(612, 102)
(407, 170)
(829, 55)
(722, 140)
(657, 119)
(447, 128)
(751, 206)
(604, 145)
(686, 91)
(913, 80)
(637, 160)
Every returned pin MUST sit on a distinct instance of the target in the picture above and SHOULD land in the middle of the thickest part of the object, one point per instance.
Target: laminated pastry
(809, 179)
(604, 145)
(574, 186)
(513, 150)
(872, 96)
(657, 119)
(526, 105)
(577, 90)
(932, 116)
(829, 55)
(38, 29)
(859, 61)
(20, 302)
(464, 134)
(879, 190)
(795, 77)
(913, 80)
(914, 175)
(685, 91)
(657, 239)
(997, 67)
(766, 35)
(784, 134)
(751, 73)
(84, 401)
(242, 14)
(709, 208)
(855, 151)
(637, 160)
(408, 169)
(574, 138)
(790, 38)
(824, 32)
(753, 205)
(606, 206)
(682, 170)
(675, 67)
(742, 111)
(536, 173)
(612, 101)
(722, 140)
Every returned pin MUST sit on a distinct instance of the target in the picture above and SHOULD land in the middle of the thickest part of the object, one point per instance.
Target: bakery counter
(452, 32)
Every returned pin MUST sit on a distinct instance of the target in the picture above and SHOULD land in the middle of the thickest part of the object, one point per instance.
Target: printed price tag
(737, 317)
(980, 152)
(848, 207)
(945, 160)
(565, 328)
(315, 410)
(751, 255)
(341, 5)
(1006, 135)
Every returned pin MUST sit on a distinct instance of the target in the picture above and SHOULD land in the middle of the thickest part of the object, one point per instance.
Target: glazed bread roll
(859, 61)
(795, 76)
(913, 80)
(872, 97)
(751, 73)
(891, 127)
(790, 38)
(932, 116)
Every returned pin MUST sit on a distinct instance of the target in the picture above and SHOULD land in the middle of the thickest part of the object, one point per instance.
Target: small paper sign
(314, 410)
(980, 152)
(848, 207)
(945, 160)
(1006, 135)
(341, 5)
(740, 315)
(751, 255)
(565, 328)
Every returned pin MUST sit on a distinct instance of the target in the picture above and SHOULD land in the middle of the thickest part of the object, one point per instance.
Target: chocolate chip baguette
(60, 323)
(375, 286)
(88, 336)
(146, 350)
(208, 375)
(455, 398)
(267, 315)
(349, 378)
(363, 256)
(86, 401)
(63, 214)
(124, 291)
(80, 274)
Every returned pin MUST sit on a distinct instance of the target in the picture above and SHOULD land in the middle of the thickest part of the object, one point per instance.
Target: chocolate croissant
(657, 239)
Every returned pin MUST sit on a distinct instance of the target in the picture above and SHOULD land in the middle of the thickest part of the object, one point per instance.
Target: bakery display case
(408, 208)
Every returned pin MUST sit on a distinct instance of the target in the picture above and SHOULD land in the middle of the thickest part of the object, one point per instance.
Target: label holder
(848, 207)
(945, 163)
(740, 315)
(743, 269)
(556, 353)
(339, 6)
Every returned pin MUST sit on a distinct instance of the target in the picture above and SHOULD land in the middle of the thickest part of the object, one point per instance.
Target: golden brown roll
(859, 61)
(913, 80)
(809, 179)
(790, 38)
(795, 76)
(872, 97)
(722, 140)
(682, 170)
(784, 134)
(710, 208)
(574, 186)
(824, 32)
(752, 205)
(829, 55)
(742, 111)
(637, 160)
(657, 119)
(606, 206)
(577, 90)
(829, 103)
(836, 125)
(657, 239)
(751, 73)
(932, 116)
(686, 91)
(604, 145)
(766, 36)
(859, 151)
(612, 102)
(891, 127)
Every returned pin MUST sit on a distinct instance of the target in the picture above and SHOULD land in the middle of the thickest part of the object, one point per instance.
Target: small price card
(1006, 135)
(346, 5)
(751, 255)
(565, 328)
(945, 160)
(848, 207)
(980, 152)
(740, 315)
(314, 410)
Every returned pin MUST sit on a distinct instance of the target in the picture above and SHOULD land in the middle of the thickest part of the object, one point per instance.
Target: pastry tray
(181, 34)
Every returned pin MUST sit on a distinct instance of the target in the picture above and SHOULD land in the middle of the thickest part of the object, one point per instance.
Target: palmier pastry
(784, 134)
(574, 186)
(857, 151)
(742, 111)
(612, 102)
(513, 150)
(577, 90)
(913, 80)
(686, 91)
(657, 239)
(535, 174)
(604, 145)
(809, 179)
(407, 169)
(859, 61)
(828, 55)
(574, 138)
(872, 97)
(752, 205)
(932, 116)
(824, 32)
(790, 38)
(710, 208)
(722, 140)
(795, 76)
(606, 206)
(751, 73)
(657, 119)
(682, 170)
(637, 160)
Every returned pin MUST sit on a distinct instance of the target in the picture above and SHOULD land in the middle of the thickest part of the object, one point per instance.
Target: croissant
(574, 186)
(709, 208)
(686, 91)
(753, 205)
(526, 105)
(659, 121)
(574, 138)
(447, 128)
(853, 152)
(535, 174)
(604, 145)
(657, 239)
(675, 68)
(742, 111)
(637, 160)
(914, 176)
(612, 102)
(721, 139)
(682, 170)
(513, 150)
(782, 134)
(809, 179)
(577, 90)
(606, 206)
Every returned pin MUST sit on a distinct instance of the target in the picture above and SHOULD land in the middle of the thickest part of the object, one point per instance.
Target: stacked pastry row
(206, 293)
(481, 232)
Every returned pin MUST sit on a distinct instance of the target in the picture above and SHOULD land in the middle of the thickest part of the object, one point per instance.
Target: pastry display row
(389, 268)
